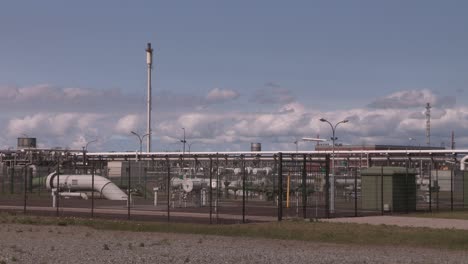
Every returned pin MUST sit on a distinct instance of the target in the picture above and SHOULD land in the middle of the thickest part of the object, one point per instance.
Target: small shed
(397, 184)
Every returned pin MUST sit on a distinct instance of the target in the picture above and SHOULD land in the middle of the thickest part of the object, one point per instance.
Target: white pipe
(250, 153)
(462, 163)
(75, 194)
(83, 182)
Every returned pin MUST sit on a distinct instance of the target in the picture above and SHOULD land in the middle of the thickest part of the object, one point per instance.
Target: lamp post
(332, 177)
(140, 138)
(183, 141)
(85, 149)
(189, 146)
(297, 145)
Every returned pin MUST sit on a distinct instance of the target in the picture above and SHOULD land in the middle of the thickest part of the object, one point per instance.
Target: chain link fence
(234, 188)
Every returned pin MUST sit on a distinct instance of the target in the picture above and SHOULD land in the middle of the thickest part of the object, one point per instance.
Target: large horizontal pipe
(84, 182)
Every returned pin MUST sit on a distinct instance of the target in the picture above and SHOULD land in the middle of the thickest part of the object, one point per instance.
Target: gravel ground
(76, 244)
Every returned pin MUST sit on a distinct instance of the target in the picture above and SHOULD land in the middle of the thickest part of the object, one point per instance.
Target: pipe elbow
(462, 163)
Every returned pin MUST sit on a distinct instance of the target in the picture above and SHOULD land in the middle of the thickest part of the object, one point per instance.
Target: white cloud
(231, 129)
(412, 98)
(220, 95)
(128, 123)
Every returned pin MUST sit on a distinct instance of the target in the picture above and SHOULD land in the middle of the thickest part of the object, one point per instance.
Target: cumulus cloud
(217, 95)
(412, 98)
(128, 123)
(277, 127)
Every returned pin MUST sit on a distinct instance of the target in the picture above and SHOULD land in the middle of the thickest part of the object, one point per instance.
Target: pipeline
(83, 182)
(462, 163)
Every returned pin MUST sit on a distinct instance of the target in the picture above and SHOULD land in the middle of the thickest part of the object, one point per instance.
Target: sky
(233, 72)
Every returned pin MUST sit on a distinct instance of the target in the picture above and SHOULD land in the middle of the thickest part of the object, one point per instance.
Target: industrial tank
(26, 142)
(255, 146)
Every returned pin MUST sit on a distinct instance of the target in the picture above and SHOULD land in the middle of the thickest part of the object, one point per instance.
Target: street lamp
(332, 175)
(190, 145)
(85, 149)
(140, 138)
(297, 145)
(183, 141)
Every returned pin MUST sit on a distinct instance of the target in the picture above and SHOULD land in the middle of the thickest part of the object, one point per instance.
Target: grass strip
(339, 233)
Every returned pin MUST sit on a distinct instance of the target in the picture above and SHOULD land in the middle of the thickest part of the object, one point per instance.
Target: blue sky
(232, 72)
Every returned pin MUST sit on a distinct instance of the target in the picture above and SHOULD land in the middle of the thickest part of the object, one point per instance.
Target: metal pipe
(85, 182)
(462, 163)
(267, 153)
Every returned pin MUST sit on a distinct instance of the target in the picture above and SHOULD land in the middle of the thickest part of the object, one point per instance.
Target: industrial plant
(229, 187)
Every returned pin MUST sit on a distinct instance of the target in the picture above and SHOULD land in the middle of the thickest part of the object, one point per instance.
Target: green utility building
(465, 189)
(397, 184)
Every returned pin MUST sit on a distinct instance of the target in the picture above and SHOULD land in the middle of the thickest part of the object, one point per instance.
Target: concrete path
(404, 221)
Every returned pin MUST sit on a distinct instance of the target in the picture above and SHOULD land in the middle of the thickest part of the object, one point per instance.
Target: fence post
(243, 188)
(129, 191)
(275, 174)
(452, 174)
(145, 171)
(355, 193)
(211, 189)
(451, 189)
(430, 185)
(280, 186)
(58, 187)
(3, 181)
(92, 188)
(30, 179)
(438, 186)
(407, 189)
(381, 190)
(327, 186)
(168, 188)
(12, 180)
(25, 190)
(304, 187)
(217, 189)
